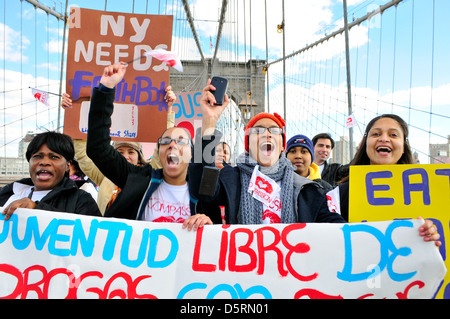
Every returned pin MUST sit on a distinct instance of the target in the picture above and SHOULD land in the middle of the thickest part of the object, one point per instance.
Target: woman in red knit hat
(262, 187)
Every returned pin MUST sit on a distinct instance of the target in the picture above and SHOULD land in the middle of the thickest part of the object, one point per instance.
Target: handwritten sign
(59, 255)
(386, 192)
(98, 39)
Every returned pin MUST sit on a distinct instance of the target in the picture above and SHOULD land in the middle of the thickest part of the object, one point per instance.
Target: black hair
(361, 157)
(78, 171)
(59, 143)
(323, 135)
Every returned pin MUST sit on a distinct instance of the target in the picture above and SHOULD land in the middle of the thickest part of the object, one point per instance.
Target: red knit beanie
(274, 117)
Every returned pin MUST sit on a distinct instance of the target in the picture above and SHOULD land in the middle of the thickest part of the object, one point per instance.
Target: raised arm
(110, 162)
(206, 140)
(170, 98)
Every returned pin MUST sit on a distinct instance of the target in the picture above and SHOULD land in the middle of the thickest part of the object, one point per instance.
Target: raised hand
(66, 102)
(169, 98)
(210, 111)
(113, 74)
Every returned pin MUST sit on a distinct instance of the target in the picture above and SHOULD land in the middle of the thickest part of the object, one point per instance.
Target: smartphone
(209, 181)
(221, 85)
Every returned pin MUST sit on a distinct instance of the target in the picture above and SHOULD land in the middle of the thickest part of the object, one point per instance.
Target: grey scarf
(250, 209)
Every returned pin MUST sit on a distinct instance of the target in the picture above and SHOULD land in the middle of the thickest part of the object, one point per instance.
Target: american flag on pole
(41, 96)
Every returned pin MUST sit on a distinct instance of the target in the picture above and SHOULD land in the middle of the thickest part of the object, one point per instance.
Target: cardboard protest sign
(386, 192)
(187, 111)
(59, 255)
(98, 39)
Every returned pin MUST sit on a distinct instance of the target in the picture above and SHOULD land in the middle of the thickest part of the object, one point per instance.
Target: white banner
(58, 255)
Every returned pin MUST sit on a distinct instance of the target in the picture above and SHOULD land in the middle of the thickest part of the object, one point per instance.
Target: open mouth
(384, 150)
(266, 148)
(173, 160)
(44, 175)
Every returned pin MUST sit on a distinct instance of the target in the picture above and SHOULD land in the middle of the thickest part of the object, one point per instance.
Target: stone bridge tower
(246, 82)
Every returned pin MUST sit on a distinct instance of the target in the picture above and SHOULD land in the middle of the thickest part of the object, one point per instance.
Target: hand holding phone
(221, 85)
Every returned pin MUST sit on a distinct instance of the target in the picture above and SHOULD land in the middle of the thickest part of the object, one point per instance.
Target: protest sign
(386, 192)
(59, 255)
(187, 111)
(98, 39)
(187, 115)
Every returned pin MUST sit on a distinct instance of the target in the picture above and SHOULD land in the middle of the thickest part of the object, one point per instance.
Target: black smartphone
(209, 181)
(221, 85)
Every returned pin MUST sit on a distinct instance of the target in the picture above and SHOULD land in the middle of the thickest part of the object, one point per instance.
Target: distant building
(440, 153)
(341, 151)
(16, 166)
(416, 158)
(23, 144)
(13, 166)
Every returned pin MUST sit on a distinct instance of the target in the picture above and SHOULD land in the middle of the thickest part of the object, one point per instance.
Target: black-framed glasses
(261, 130)
(179, 141)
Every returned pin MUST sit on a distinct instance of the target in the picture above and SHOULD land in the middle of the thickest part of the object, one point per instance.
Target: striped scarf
(250, 209)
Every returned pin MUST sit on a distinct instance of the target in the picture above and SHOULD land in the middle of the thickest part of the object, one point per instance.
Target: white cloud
(54, 46)
(11, 44)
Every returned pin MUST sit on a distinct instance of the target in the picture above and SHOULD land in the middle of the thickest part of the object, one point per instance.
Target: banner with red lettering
(100, 38)
(58, 255)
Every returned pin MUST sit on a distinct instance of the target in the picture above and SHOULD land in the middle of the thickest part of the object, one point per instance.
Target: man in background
(332, 173)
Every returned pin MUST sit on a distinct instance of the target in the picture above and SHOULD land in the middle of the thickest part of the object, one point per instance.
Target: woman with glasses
(157, 195)
(263, 187)
(132, 151)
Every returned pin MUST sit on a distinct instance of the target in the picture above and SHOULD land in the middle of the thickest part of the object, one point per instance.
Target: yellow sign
(386, 192)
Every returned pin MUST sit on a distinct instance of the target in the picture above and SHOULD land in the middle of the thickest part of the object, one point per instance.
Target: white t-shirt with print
(168, 203)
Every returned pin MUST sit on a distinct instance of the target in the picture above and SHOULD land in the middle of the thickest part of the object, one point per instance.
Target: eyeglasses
(179, 141)
(261, 130)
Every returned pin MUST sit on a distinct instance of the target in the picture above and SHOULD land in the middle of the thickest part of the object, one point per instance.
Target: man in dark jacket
(263, 187)
(49, 187)
(332, 173)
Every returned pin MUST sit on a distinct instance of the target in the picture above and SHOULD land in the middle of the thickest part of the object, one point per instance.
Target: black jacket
(311, 204)
(334, 172)
(137, 183)
(64, 198)
(344, 194)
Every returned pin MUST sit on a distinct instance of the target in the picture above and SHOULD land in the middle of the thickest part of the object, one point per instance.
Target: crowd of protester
(171, 186)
